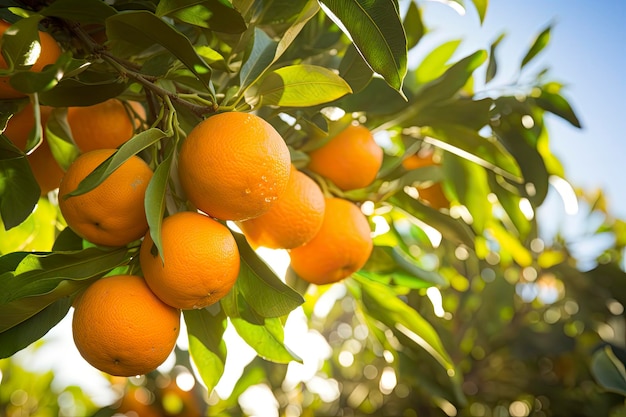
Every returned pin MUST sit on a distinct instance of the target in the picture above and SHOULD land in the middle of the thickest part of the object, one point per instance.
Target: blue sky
(585, 53)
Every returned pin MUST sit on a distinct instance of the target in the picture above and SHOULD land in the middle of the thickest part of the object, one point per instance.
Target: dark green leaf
(92, 88)
(155, 198)
(413, 25)
(129, 149)
(492, 66)
(609, 371)
(67, 240)
(259, 58)
(205, 329)
(212, 14)
(34, 328)
(19, 191)
(301, 86)
(354, 69)
(143, 29)
(555, 103)
(261, 288)
(33, 82)
(82, 11)
(401, 267)
(376, 30)
(538, 45)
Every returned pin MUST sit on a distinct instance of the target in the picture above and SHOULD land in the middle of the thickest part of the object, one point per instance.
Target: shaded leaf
(21, 45)
(354, 69)
(609, 371)
(301, 86)
(82, 11)
(413, 25)
(34, 328)
(376, 30)
(555, 103)
(492, 66)
(19, 191)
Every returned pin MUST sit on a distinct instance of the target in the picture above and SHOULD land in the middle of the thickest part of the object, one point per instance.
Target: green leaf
(436, 62)
(90, 88)
(540, 42)
(555, 103)
(21, 45)
(301, 86)
(470, 184)
(129, 149)
(511, 245)
(37, 232)
(266, 294)
(40, 279)
(143, 29)
(481, 8)
(58, 135)
(205, 328)
(382, 304)
(413, 25)
(82, 11)
(354, 69)
(609, 371)
(492, 66)
(33, 82)
(34, 328)
(376, 30)
(265, 339)
(212, 14)
(392, 260)
(19, 191)
(155, 198)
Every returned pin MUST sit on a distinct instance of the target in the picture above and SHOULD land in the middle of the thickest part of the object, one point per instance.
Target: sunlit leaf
(37, 232)
(540, 42)
(261, 288)
(211, 14)
(205, 328)
(377, 32)
(481, 8)
(510, 245)
(301, 86)
(382, 304)
(58, 135)
(18, 44)
(156, 197)
(436, 62)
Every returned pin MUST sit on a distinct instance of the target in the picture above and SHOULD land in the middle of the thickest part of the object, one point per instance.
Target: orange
(137, 401)
(113, 213)
(201, 261)
(45, 168)
(50, 52)
(340, 248)
(120, 327)
(433, 194)
(105, 125)
(234, 166)
(350, 160)
(293, 220)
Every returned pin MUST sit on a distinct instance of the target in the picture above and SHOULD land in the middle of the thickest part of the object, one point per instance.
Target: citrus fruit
(105, 125)
(120, 327)
(50, 52)
(350, 160)
(200, 261)
(293, 220)
(340, 248)
(431, 194)
(112, 214)
(45, 168)
(234, 166)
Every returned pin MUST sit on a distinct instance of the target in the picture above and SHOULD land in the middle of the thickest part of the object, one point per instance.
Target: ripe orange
(50, 52)
(45, 168)
(340, 248)
(350, 160)
(105, 125)
(112, 214)
(293, 220)
(120, 327)
(430, 194)
(201, 261)
(234, 166)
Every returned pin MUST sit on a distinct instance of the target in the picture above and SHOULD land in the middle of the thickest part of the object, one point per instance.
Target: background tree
(461, 309)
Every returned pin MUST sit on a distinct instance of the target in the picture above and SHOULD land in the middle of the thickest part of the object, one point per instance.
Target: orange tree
(309, 70)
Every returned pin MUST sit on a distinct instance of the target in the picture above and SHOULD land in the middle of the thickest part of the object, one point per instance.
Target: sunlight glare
(387, 381)
(434, 295)
(259, 400)
(567, 193)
